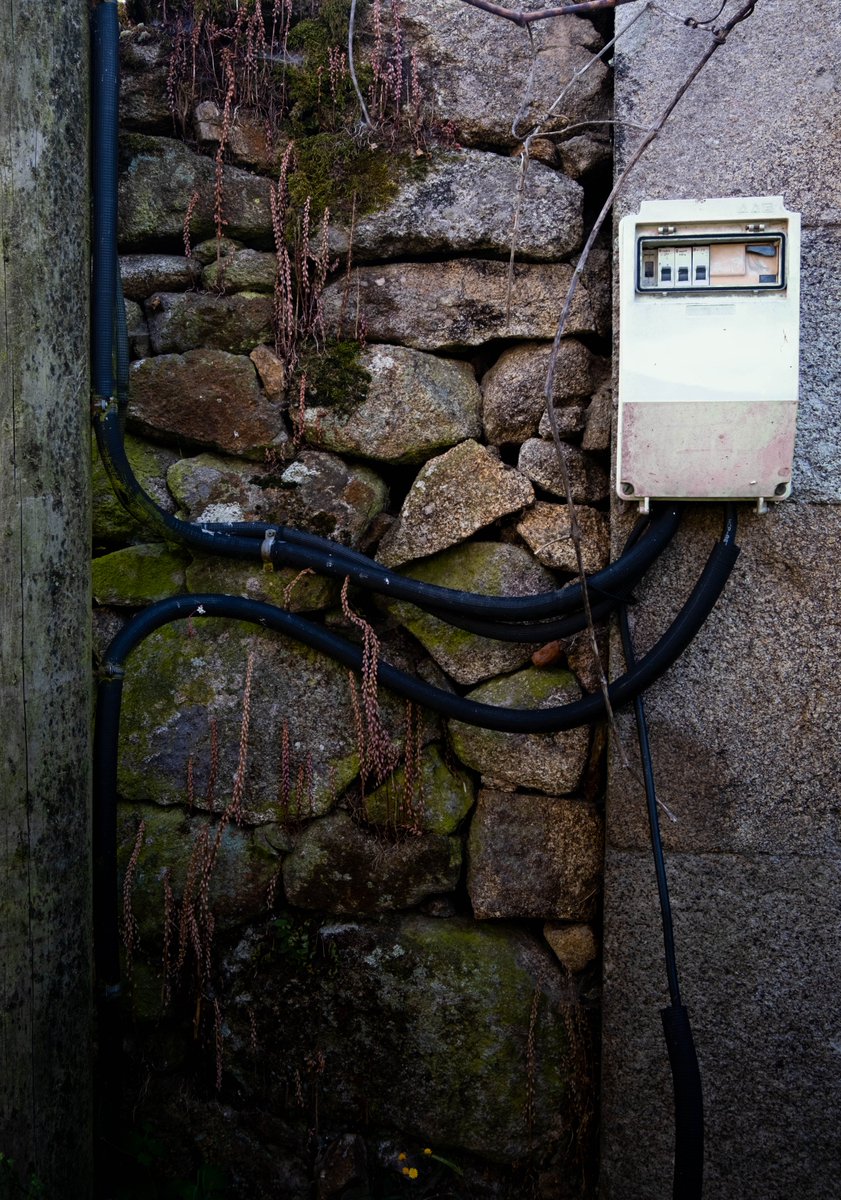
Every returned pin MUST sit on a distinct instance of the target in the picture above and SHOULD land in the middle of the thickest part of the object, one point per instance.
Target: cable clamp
(111, 670)
(266, 549)
(100, 404)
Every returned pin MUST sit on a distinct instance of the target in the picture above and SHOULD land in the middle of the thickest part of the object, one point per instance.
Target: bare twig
(526, 100)
(719, 38)
(515, 228)
(352, 66)
(692, 22)
(524, 19)
(536, 131)
(567, 129)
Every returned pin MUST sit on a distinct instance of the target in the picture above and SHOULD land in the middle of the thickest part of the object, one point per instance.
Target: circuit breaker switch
(683, 266)
(666, 267)
(700, 266)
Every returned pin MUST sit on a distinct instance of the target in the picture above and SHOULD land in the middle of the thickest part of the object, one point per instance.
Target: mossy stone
(339, 867)
(246, 862)
(112, 522)
(316, 492)
(138, 575)
(241, 271)
(442, 799)
(551, 762)
(213, 248)
(181, 321)
(189, 675)
(205, 398)
(489, 568)
(287, 587)
(411, 406)
(156, 189)
(335, 375)
(222, 484)
(338, 174)
(317, 101)
(328, 26)
(535, 856)
(447, 1058)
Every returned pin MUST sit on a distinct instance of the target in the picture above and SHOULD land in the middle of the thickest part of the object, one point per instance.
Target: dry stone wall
(386, 946)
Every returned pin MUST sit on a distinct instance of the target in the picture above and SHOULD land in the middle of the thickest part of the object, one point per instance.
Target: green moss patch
(138, 575)
(321, 99)
(335, 375)
(340, 174)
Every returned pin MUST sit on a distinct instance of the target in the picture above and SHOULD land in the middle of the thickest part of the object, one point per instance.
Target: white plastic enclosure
(709, 332)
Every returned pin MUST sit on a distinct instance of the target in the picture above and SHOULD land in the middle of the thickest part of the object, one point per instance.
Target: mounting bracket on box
(709, 338)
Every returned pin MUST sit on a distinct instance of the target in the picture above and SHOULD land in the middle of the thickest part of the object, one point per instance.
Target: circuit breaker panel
(709, 322)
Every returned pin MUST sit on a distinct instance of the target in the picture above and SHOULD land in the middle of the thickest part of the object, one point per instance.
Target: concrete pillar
(744, 728)
(45, 928)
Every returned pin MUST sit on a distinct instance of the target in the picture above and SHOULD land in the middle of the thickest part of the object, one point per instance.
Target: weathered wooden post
(45, 926)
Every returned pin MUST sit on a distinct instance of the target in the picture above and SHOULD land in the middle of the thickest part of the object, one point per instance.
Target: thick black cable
(290, 547)
(121, 354)
(549, 720)
(653, 815)
(683, 1059)
(106, 309)
(589, 708)
(688, 1177)
(532, 631)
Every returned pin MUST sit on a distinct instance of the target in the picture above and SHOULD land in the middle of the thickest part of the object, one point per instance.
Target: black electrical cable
(666, 651)
(283, 546)
(487, 615)
(653, 815)
(589, 708)
(105, 310)
(533, 631)
(683, 1059)
(688, 1174)
(121, 352)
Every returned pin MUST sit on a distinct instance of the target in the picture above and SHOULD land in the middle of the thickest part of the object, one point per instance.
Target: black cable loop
(292, 547)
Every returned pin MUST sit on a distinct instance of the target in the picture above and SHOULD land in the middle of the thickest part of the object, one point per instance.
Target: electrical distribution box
(709, 326)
